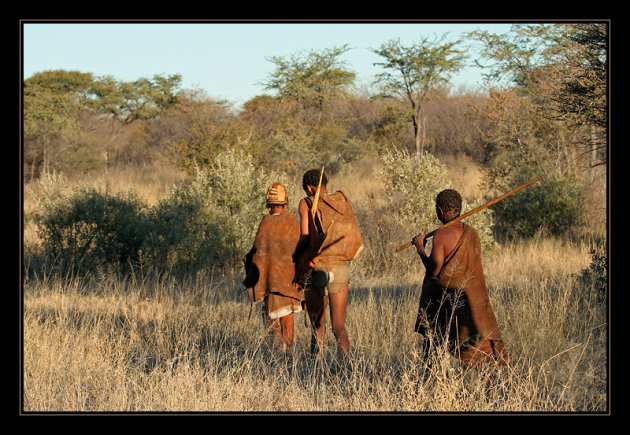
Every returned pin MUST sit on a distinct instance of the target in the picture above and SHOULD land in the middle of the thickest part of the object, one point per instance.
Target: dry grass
(144, 343)
(465, 175)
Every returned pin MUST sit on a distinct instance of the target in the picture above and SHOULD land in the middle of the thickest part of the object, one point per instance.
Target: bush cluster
(89, 228)
(555, 204)
(208, 221)
(414, 180)
(211, 221)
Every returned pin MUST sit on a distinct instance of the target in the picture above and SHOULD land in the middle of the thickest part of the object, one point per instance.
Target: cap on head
(277, 194)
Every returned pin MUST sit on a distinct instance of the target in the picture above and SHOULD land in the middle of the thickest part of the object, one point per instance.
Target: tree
(52, 100)
(561, 68)
(127, 102)
(311, 78)
(131, 101)
(205, 139)
(55, 100)
(541, 71)
(413, 71)
(577, 84)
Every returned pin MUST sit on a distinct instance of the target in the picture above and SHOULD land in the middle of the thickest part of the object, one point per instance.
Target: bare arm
(433, 263)
(302, 244)
(304, 211)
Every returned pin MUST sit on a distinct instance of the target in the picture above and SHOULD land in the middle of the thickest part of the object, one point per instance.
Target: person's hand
(419, 241)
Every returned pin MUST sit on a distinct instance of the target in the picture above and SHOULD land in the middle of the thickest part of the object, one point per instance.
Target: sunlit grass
(150, 342)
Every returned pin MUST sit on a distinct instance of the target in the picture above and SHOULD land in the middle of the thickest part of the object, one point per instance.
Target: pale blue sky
(225, 59)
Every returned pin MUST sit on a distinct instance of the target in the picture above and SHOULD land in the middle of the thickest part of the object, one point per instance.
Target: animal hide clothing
(270, 268)
(343, 241)
(334, 237)
(455, 305)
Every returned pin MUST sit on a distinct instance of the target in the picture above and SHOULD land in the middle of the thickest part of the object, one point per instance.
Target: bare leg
(286, 324)
(316, 307)
(338, 318)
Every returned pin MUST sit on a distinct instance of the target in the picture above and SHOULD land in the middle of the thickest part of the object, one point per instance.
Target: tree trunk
(45, 156)
(420, 134)
(424, 131)
(32, 170)
(593, 152)
(416, 132)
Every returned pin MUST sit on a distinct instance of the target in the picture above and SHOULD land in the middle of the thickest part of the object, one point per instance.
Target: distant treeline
(545, 100)
(543, 112)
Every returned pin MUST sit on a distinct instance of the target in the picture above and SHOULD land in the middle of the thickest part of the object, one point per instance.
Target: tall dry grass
(145, 342)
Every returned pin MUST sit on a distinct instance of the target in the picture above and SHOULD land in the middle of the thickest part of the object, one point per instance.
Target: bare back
(444, 241)
(449, 237)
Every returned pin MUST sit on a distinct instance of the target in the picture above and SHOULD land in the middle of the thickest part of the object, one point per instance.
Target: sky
(227, 60)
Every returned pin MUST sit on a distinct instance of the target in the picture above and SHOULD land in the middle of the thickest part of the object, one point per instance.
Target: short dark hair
(449, 200)
(311, 178)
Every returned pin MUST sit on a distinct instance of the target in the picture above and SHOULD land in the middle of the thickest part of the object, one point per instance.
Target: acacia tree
(578, 84)
(546, 110)
(130, 101)
(312, 77)
(411, 72)
(127, 102)
(310, 86)
(561, 69)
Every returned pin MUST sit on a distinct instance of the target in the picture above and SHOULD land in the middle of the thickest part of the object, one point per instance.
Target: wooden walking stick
(473, 211)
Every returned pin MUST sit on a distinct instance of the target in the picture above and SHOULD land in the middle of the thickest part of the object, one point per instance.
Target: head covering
(277, 194)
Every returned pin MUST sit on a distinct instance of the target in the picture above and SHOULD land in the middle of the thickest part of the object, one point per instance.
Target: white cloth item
(285, 311)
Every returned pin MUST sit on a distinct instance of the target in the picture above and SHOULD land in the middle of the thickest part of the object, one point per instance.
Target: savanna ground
(146, 342)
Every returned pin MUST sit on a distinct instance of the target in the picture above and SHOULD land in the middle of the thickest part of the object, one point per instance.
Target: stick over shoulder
(471, 212)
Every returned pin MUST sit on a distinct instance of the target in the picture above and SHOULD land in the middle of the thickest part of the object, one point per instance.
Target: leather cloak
(455, 304)
(269, 264)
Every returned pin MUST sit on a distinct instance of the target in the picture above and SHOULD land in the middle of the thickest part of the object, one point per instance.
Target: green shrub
(595, 276)
(89, 228)
(554, 204)
(211, 220)
(413, 182)
(180, 229)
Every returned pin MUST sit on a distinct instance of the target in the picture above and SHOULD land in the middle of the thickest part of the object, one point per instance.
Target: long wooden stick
(473, 211)
(321, 237)
(317, 192)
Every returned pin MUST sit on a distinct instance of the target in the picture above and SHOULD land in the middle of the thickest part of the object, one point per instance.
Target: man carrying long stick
(454, 305)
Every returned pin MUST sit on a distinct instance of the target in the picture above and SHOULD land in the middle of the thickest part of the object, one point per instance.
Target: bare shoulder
(441, 235)
(448, 236)
(303, 206)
